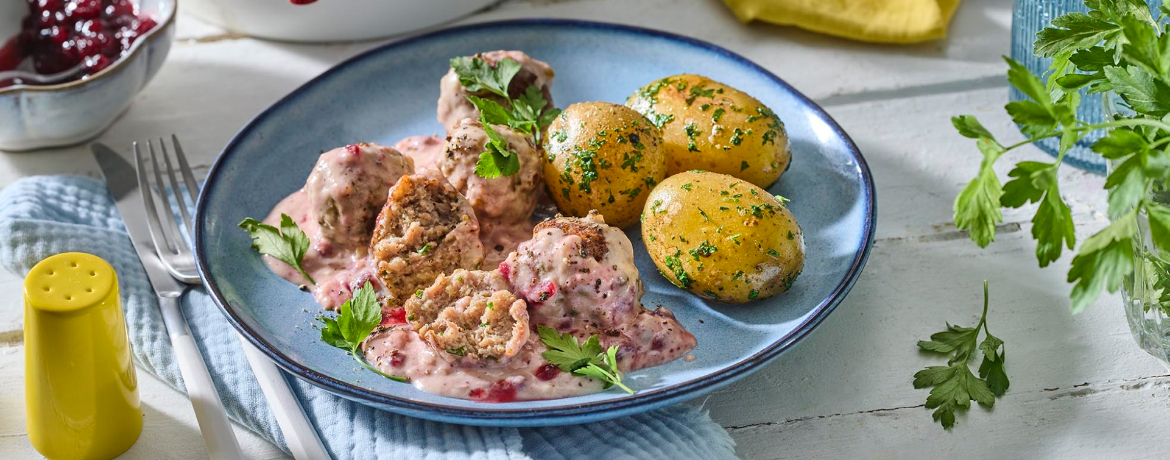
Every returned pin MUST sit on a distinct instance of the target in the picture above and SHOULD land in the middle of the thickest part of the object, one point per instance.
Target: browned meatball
(425, 229)
(578, 275)
(501, 200)
(453, 103)
(347, 187)
(470, 315)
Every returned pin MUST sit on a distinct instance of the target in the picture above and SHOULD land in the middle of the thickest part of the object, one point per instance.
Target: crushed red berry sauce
(501, 391)
(506, 271)
(58, 35)
(547, 372)
(394, 316)
(397, 359)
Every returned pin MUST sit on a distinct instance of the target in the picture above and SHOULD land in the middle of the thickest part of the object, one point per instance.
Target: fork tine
(152, 222)
(185, 168)
(174, 238)
(182, 203)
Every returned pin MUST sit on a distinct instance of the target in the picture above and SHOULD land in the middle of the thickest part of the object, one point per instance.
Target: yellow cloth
(882, 21)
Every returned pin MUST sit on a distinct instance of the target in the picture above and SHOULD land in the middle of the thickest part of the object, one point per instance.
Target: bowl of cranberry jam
(77, 37)
(68, 68)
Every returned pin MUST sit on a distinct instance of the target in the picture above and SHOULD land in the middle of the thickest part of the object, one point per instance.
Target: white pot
(329, 20)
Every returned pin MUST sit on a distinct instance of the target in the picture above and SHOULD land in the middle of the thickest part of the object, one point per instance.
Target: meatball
(347, 187)
(502, 200)
(453, 103)
(470, 315)
(426, 229)
(578, 274)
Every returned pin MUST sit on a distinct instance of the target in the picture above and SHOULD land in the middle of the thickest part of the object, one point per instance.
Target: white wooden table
(1081, 388)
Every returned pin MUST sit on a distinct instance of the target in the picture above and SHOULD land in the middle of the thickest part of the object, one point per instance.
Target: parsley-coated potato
(722, 238)
(602, 156)
(711, 126)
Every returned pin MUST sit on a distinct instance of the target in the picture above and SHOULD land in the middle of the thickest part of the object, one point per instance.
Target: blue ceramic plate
(390, 93)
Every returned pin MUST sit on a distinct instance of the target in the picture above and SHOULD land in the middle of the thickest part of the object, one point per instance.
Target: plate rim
(598, 410)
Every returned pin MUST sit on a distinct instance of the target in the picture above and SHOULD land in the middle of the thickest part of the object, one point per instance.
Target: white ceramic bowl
(329, 20)
(33, 117)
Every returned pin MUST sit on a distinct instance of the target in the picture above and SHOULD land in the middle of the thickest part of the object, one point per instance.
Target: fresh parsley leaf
(1127, 186)
(1076, 81)
(1052, 226)
(1139, 89)
(1020, 77)
(492, 112)
(585, 359)
(1145, 47)
(1033, 118)
(1159, 225)
(529, 105)
(476, 75)
(1104, 260)
(1030, 181)
(354, 322)
(498, 159)
(1093, 59)
(953, 386)
(287, 244)
(969, 126)
(977, 206)
(1071, 32)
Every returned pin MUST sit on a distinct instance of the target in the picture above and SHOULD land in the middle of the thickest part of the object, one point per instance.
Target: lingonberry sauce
(58, 35)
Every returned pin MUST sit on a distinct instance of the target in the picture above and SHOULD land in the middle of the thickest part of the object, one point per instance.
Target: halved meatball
(453, 103)
(347, 187)
(470, 315)
(425, 229)
(501, 200)
(578, 274)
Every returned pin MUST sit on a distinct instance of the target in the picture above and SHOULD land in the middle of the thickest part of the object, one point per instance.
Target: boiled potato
(602, 156)
(711, 126)
(722, 238)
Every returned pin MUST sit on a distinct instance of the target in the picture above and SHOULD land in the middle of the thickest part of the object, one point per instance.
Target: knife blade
(122, 181)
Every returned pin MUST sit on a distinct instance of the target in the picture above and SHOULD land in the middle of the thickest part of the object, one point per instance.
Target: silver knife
(122, 181)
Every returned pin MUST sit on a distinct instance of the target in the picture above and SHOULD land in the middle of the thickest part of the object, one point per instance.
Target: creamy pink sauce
(337, 272)
(397, 350)
(426, 151)
(563, 290)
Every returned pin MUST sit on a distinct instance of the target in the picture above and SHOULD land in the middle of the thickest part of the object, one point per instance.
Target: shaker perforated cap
(69, 282)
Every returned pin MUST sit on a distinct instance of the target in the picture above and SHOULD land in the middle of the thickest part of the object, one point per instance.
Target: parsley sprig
(356, 319)
(529, 113)
(287, 244)
(584, 359)
(954, 386)
(498, 160)
(1116, 48)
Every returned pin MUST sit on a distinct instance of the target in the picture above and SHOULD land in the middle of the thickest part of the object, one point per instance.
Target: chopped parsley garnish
(705, 249)
(681, 278)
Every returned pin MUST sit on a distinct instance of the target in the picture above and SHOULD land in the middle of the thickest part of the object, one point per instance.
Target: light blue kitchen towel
(46, 215)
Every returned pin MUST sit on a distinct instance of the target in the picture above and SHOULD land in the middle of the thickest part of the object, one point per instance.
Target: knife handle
(213, 422)
(303, 440)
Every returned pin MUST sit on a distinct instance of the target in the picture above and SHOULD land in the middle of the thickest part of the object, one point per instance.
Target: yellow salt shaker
(81, 392)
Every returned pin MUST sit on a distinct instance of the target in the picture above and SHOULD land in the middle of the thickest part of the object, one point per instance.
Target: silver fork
(171, 244)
